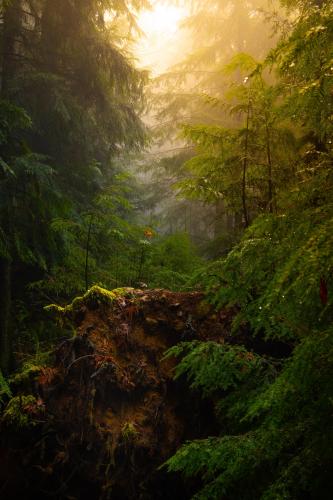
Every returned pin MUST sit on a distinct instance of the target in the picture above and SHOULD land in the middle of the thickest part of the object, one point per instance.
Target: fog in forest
(166, 236)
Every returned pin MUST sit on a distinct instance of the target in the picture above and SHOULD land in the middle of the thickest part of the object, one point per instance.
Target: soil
(108, 412)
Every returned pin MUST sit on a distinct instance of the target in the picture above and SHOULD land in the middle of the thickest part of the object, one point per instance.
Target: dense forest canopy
(194, 156)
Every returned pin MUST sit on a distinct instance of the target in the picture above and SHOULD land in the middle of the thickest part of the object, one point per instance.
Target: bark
(224, 221)
(10, 51)
(269, 166)
(5, 308)
(9, 62)
(245, 163)
(86, 271)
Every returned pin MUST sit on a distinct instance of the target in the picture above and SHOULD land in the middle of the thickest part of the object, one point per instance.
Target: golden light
(162, 41)
(163, 20)
(159, 46)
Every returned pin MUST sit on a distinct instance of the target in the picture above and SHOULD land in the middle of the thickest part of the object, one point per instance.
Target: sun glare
(158, 47)
(163, 20)
(160, 44)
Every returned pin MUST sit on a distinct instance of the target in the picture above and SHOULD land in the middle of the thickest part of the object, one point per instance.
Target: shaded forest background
(226, 187)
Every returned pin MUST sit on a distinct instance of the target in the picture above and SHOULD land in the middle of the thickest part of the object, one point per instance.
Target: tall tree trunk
(245, 163)
(86, 270)
(8, 67)
(268, 155)
(5, 309)
(9, 44)
(269, 166)
(223, 221)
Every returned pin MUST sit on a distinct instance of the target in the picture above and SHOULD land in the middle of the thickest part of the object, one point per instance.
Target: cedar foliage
(275, 413)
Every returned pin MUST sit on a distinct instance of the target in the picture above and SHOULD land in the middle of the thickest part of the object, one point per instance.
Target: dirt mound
(107, 414)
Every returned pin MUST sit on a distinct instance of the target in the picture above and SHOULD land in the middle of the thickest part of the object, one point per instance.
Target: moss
(31, 369)
(29, 372)
(20, 411)
(5, 391)
(94, 297)
(124, 292)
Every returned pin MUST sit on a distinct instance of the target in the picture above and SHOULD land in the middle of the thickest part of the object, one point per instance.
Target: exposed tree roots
(107, 414)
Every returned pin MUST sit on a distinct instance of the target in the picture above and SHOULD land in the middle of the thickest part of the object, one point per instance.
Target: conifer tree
(66, 65)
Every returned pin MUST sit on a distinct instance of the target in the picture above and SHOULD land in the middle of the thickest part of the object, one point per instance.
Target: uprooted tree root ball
(100, 421)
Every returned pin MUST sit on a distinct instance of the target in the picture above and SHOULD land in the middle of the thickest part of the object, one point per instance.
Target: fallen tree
(100, 420)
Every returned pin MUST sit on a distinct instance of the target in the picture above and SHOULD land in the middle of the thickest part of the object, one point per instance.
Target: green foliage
(212, 367)
(282, 425)
(273, 413)
(5, 392)
(18, 213)
(245, 165)
(30, 368)
(169, 279)
(171, 262)
(304, 58)
(98, 244)
(22, 412)
(12, 120)
(278, 278)
(68, 109)
(260, 155)
(26, 374)
(274, 275)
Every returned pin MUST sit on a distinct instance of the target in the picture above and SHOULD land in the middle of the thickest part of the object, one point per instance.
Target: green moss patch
(92, 299)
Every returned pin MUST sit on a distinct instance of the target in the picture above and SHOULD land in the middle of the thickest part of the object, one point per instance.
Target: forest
(166, 249)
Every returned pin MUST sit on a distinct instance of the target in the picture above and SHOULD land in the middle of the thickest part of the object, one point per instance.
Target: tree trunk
(223, 220)
(245, 163)
(10, 51)
(270, 167)
(5, 307)
(268, 156)
(9, 63)
(87, 253)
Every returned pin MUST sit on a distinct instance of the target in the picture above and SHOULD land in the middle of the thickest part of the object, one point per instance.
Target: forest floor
(107, 413)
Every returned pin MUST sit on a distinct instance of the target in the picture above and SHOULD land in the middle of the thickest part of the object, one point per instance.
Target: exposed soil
(108, 412)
